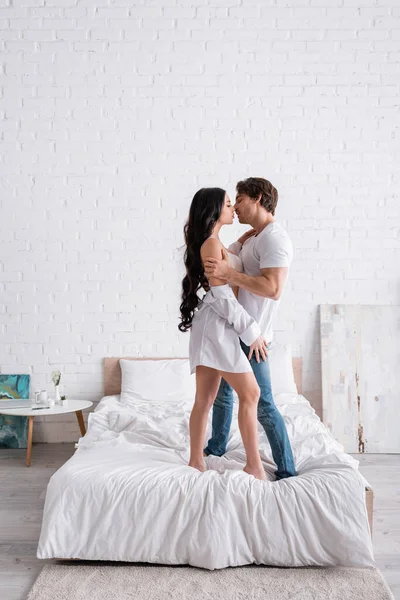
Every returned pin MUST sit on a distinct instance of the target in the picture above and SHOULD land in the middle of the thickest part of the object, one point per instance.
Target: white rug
(77, 581)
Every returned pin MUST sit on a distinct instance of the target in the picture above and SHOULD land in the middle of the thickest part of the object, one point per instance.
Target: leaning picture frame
(13, 429)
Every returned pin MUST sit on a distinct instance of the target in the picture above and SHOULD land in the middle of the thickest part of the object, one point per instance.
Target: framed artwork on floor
(13, 430)
(360, 356)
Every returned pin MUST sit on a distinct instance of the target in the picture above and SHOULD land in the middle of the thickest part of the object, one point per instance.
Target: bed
(127, 493)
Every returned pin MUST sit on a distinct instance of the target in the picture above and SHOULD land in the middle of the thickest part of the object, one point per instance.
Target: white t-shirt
(272, 247)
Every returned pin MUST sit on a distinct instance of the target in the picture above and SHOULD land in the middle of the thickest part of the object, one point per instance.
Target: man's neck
(261, 221)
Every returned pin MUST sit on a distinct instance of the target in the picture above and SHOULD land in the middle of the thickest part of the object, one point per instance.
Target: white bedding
(127, 494)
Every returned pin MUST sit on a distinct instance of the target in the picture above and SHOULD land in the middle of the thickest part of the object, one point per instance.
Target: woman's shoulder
(211, 245)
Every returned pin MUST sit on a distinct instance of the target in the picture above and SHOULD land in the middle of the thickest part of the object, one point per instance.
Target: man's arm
(275, 253)
(269, 284)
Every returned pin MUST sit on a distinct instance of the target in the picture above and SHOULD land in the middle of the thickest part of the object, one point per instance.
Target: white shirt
(217, 325)
(272, 247)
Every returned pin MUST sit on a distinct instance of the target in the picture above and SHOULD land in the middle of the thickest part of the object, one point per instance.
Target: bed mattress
(127, 494)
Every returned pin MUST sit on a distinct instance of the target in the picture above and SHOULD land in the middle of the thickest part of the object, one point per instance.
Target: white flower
(56, 376)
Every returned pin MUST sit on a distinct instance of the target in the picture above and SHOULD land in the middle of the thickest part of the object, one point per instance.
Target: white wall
(115, 115)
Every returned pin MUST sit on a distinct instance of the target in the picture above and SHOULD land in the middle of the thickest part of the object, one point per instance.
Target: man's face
(245, 208)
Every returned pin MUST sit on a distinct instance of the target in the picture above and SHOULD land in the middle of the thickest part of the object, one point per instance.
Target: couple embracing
(231, 326)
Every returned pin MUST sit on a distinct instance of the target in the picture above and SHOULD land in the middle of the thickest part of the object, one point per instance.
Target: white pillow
(169, 380)
(156, 381)
(281, 366)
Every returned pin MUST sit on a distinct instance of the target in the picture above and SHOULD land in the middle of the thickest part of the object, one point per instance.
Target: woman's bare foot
(257, 472)
(199, 465)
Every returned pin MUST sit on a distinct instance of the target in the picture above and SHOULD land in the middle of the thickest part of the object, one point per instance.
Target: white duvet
(127, 494)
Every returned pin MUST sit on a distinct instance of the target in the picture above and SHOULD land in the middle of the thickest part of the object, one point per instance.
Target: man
(266, 253)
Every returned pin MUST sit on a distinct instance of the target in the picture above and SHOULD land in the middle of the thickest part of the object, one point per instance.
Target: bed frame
(112, 385)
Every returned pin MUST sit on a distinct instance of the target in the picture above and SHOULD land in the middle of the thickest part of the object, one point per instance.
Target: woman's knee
(251, 395)
(204, 402)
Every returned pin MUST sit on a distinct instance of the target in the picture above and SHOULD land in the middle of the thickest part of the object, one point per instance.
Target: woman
(216, 323)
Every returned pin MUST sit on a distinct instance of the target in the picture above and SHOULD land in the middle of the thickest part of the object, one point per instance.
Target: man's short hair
(254, 186)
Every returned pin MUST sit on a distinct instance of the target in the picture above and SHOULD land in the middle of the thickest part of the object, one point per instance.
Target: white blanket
(128, 495)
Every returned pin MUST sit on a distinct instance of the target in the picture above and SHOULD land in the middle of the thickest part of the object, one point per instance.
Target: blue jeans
(267, 414)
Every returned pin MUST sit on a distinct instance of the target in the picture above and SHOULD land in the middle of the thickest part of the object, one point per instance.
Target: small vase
(57, 396)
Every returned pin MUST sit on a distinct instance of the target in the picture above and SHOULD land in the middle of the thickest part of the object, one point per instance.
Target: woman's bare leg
(207, 384)
(246, 387)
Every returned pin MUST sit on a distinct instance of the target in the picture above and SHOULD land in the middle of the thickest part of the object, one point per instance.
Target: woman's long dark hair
(205, 210)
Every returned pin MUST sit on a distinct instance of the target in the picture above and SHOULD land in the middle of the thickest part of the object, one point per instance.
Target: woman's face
(227, 213)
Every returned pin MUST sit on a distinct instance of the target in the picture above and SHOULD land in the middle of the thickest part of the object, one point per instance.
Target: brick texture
(114, 114)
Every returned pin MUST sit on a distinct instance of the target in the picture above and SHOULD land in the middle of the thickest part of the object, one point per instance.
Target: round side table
(76, 406)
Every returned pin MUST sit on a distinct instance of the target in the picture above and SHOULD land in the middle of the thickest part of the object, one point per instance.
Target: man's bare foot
(257, 472)
(200, 466)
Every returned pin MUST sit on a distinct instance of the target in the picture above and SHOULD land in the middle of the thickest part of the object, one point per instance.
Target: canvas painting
(13, 430)
(360, 350)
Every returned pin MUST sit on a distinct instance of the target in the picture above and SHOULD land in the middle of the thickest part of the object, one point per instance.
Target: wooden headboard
(112, 373)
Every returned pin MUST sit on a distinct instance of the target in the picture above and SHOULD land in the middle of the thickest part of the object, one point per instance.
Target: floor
(22, 493)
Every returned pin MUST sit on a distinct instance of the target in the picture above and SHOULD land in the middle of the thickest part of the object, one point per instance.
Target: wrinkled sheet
(127, 494)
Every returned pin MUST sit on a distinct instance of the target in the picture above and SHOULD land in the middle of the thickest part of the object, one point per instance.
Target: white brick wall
(113, 115)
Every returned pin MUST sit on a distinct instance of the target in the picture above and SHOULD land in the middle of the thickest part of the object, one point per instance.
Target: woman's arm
(235, 290)
(223, 301)
(212, 248)
(236, 247)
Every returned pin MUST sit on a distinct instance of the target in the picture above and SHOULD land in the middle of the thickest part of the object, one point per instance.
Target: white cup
(43, 396)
